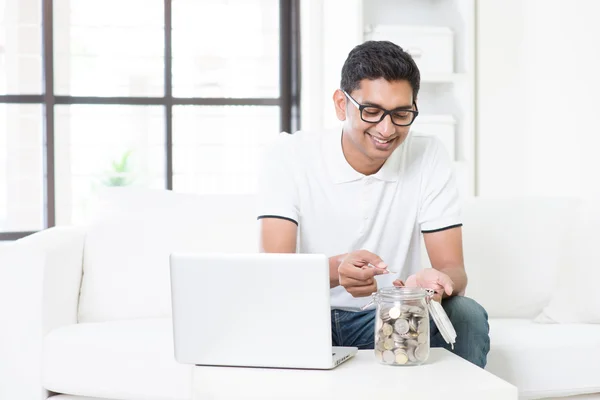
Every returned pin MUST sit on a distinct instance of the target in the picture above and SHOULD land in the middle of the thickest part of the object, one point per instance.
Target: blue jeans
(470, 320)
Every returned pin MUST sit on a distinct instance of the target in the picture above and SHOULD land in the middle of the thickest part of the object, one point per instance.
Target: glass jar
(402, 324)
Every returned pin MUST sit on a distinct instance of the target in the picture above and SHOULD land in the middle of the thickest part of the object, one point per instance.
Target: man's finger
(362, 291)
(377, 270)
(371, 258)
(445, 281)
(358, 273)
(398, 283)
(347, 281)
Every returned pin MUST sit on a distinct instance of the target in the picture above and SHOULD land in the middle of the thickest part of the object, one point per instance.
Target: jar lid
(400, 293)
(396, 293)
(441, 320)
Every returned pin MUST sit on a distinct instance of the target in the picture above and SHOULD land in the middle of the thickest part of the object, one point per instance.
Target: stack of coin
(401, 334)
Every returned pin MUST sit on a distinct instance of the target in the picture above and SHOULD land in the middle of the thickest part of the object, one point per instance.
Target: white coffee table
(445, 376)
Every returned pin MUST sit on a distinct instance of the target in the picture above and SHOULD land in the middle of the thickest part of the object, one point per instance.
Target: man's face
(376, 141)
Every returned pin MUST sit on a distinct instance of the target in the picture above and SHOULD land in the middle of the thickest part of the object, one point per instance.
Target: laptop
(253, 310)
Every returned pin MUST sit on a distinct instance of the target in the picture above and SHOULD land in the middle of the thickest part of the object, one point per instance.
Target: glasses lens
(375, 115)
(403, 117)
(372, 114)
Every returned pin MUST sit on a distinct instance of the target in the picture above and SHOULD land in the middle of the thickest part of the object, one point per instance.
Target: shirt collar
(340, 170)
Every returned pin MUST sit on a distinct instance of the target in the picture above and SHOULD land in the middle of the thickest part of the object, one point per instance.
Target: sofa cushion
(514, 249)
(128, 360)
(545, 359)
(576, 297)
(130, 237)
(70, 397)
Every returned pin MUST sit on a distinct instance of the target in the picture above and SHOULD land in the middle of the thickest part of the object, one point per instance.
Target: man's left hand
(430, 278)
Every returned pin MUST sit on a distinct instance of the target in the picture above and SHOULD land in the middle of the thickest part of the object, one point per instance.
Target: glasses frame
(361, 107)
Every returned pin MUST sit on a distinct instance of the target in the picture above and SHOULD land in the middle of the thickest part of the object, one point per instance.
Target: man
(364, 194)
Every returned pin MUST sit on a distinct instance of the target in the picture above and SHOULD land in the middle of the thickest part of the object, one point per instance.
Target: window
(176, 94)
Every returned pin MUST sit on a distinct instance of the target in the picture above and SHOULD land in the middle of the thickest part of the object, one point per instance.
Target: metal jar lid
(440, 318)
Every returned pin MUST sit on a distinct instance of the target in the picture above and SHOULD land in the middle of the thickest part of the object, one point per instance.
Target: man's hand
(430, 278)
(357, 276)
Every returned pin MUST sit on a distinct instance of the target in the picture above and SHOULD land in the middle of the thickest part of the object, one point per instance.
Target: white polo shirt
(305, 178)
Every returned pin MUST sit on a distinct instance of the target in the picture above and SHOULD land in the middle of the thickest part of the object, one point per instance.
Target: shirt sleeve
(440, 201)
(277, 190)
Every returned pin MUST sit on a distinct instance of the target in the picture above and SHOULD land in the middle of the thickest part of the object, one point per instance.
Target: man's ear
(339, 102)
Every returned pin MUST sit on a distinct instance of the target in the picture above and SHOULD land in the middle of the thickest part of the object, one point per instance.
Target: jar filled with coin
(402, 324)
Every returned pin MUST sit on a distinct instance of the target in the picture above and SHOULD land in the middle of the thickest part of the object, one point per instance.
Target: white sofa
(86, 310)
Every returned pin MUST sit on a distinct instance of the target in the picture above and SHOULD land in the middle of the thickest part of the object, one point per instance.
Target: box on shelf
(441, 126)
(431, 47)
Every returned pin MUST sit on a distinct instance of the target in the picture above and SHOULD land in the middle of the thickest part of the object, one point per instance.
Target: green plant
(120, 174)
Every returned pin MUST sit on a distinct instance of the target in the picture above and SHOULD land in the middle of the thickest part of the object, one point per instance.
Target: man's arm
(446, 255)
(278, 235)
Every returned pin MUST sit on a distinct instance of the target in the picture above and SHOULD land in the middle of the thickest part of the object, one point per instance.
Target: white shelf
(443, 78)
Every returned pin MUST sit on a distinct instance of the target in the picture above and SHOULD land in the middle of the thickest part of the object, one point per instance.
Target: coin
(401, 326)
(389, 357)
(401, 357)
(387, 329)
(410, 352)
(423, 326)
(380, 345)
(415, 310)
(397, 337)
(394, 312)
(388, 344)
(412, 343)
(400, 345)
(412, 335)
(413, 324)
(422, 338)
(421, 352)
(385, 314)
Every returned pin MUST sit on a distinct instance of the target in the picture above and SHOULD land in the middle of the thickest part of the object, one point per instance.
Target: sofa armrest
(40, 277)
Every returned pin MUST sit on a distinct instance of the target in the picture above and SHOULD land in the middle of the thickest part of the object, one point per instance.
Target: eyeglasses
(374, 114)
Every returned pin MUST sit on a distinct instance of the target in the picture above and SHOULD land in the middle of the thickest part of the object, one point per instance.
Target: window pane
(216, 149)
(109, 47)
(21, 168)
(20, 47)
(98, 146)
(226, 48)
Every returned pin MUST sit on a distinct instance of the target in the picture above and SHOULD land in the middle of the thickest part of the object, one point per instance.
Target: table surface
(443, 376)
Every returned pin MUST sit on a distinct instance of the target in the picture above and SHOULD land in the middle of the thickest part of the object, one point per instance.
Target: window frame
(288, 100)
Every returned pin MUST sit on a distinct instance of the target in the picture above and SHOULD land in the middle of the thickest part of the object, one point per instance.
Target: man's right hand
(357, 276)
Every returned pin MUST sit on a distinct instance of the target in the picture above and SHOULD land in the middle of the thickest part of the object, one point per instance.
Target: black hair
(379, 59)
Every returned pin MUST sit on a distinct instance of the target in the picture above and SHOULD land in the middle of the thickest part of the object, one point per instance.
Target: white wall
(538, 97)
(330, 29)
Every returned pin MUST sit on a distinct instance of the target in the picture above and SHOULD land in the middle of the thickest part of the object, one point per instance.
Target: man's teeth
(381, 141)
